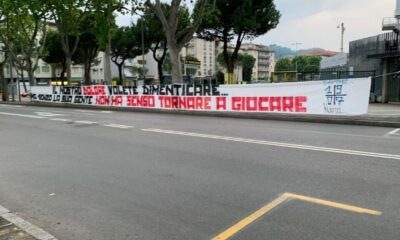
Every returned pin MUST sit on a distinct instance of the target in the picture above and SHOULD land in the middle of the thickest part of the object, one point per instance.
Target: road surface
(85, 174)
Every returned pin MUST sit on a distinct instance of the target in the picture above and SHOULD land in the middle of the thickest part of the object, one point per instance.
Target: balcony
(382, 46)
(391, 24)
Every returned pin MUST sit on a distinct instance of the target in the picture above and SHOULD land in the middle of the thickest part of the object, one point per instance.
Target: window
(37, 70)
(45, 69)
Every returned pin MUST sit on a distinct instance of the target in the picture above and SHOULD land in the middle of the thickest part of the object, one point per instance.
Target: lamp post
(143, 75)
(343, 29)
(4, 85)
(297, 44)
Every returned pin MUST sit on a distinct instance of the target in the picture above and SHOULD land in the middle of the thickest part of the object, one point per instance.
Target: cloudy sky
(314, 22)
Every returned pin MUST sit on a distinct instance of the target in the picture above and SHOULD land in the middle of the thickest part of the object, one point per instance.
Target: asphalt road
(81, 174)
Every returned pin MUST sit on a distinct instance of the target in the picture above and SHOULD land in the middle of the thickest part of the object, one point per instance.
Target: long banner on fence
(332, 97)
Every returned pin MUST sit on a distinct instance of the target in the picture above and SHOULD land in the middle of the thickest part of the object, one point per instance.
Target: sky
(313, 23)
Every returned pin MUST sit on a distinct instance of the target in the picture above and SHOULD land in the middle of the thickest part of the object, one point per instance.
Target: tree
(126, 44)
(177, 38)
(299, 63)
(88, 46)
(25, 33)
(3, 57)
(54, 55)
(139, 70)
(4, 85)
(226, 20)
(284, 64)
(67, 15)
(155, 36)
(247, 61)
(105, 10)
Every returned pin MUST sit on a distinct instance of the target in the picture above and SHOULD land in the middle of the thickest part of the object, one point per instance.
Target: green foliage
(104, 12)
(88, 45)
(304, 64)
(247, 61)
(220, 77)
(22, 24)
(126, 43)
(284, 64)
(53, 53)
(244, 19)
(139, 70)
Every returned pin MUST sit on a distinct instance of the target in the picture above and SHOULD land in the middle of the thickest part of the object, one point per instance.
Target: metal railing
(390, 21)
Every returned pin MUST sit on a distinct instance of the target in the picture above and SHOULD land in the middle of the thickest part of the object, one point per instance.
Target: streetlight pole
(343, 29)
(297, 44)
(10, 63)
(143, 75)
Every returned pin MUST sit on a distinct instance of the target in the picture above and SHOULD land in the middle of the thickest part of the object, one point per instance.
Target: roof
(324, 53)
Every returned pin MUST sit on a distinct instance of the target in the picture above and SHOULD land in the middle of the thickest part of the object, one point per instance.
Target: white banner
(332, 97)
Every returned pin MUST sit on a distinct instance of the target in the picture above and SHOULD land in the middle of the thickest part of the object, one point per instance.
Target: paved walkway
(9, 231)
(388, 110)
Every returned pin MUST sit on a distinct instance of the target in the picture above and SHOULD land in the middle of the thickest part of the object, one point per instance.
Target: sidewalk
(382, 115)
(9, 231)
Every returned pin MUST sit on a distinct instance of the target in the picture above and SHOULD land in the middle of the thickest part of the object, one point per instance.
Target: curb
(363, 120)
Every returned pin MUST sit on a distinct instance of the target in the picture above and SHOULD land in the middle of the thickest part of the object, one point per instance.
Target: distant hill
(281, 52)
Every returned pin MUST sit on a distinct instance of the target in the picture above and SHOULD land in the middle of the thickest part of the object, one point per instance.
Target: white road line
(106, 111)
(33, 230)
(278, 144)
(393, 133)
(85, 122)
(21, 115)
(13, 106)
(60, 120)
(48, 114)
(118, 126)
(85, 111)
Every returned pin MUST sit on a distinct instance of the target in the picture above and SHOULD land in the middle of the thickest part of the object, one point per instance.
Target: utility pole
(297, 44)
(143, 67)
(10, 64)
(343, 29)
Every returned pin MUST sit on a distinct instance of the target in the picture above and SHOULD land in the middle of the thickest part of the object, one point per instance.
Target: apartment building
(205, 52)
(265, 59)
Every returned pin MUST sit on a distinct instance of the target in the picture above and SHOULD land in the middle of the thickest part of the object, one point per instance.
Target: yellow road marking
(251, 218)
(284, 197)
(333, 204)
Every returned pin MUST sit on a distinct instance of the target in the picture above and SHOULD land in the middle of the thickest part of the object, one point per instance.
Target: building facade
(205, 52)
(381, 54)
(265, 60)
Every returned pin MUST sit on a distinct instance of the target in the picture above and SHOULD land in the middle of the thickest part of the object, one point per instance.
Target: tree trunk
(160, 72)
(69, 72)
(107, 61)
(231, 73)
(53, 71)
(175, 57)
(23, 82)
(62, 74)
(121, 77)
(87, 74)
(4, 85)
(31, 76)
